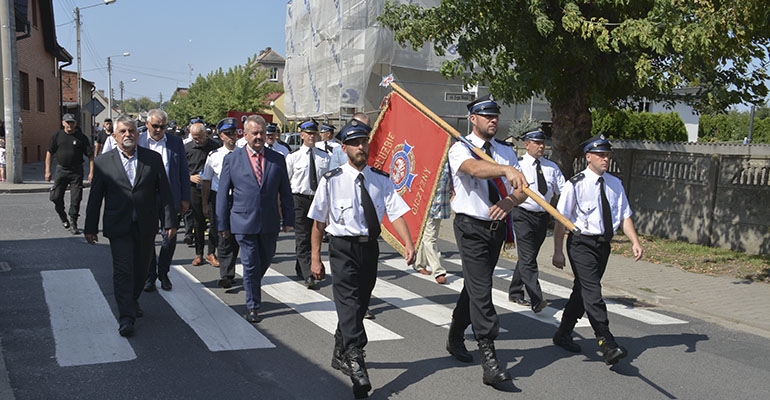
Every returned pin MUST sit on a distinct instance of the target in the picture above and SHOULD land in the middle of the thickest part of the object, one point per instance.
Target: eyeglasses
(158, 126)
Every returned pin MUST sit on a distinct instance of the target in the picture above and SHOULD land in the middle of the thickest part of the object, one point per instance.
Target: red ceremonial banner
(241, 116)
(412, 148)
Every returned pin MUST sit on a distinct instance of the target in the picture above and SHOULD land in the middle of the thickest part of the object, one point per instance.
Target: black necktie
(328, 148)
(542, 187)
(493, 195)
(606, 213)
(313, 176)
(370, 214)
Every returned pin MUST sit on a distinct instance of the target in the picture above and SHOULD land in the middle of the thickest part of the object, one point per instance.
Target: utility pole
(10, 76)
(160, 105)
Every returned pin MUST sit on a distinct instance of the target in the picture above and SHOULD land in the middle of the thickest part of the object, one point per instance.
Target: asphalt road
(690, 359)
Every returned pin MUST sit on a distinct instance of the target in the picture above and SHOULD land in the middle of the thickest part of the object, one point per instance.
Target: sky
(170, 42)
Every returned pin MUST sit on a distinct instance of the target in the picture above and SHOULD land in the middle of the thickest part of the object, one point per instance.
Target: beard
(359, 159)
(129, 143)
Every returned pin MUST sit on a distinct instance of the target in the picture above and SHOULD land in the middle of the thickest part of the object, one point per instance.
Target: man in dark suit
(132, 182)
(252, 182)
(171, 150)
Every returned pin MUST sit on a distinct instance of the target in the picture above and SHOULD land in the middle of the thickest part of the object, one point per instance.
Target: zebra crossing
(221, 328)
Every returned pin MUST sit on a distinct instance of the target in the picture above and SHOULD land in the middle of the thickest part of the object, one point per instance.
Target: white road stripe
(84, 329)
(312, 305)
(216, 323)
(499, 298)
(642, 315)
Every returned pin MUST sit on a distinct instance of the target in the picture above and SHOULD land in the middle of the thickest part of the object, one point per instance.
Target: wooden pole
(480, 153)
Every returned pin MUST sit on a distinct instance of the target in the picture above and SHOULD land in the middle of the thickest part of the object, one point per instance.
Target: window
(274, 74)
(33, 6)
(24, 89)
(40, 95)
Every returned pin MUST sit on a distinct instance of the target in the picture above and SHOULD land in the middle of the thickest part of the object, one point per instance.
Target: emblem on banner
(402, 167)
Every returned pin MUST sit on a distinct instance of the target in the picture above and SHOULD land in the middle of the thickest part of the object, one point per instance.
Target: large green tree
(241, 88)
(584, 54)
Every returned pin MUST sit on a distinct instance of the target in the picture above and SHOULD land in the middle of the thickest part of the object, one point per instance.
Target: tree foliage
(241, 88)
(632, 125)
(135, 106)
(584, 54)
(734, 126)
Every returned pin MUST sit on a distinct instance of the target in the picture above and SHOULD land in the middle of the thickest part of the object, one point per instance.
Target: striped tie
(257, 161)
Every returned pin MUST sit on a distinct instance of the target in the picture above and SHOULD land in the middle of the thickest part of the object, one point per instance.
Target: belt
(356, 239)
(304, 196)
(598, 238)
(538, 213)
(491, 225)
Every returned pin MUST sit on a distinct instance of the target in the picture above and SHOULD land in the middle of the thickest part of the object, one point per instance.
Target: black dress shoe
(225, 283)
(66, 224)
(253, 316)
(189, 240)
(165, 283)
(149, 286)
(540, 306)
(126, 329)
(521, 302)
(368, 314)
(310, 282)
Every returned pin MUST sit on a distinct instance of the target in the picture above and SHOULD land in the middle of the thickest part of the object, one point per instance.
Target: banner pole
(455, 134)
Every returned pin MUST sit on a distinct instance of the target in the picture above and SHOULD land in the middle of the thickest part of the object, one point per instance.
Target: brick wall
(37, 126)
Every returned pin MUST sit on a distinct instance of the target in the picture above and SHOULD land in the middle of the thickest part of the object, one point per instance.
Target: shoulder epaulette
(295, 150)
(333, 172)
(521, 158)
(381, 172)
(577, 178)
(503, 142)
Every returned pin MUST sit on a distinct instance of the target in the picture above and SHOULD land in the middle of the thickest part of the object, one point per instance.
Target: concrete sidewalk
(730, 302)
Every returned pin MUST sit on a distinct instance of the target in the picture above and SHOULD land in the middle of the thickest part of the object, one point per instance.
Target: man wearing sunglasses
(171, 150)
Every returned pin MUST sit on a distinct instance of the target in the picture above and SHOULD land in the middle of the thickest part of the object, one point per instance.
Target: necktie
(493, 195)
(606, 213)
(130, 173)
(328, 148)
(313, 175)
(542, 187)
(257, 157)
(370, 214)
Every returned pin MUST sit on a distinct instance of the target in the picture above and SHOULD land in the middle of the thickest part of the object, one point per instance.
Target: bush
(631, 125)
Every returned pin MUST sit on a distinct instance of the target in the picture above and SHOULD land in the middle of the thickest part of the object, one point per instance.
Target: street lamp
(123, 108)
(78, 97)
(109, 81)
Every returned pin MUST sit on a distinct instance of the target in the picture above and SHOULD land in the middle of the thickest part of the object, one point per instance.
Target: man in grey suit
(131, 181)
(252, 181)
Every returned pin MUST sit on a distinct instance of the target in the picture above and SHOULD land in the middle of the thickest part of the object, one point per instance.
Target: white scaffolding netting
(332, 47)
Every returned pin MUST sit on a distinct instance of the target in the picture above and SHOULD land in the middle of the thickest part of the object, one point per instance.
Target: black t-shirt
(101, 138)
(196, 155)
(70, 149)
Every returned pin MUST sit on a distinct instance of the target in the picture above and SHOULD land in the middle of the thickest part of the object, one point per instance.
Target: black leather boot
(355, 368)
(563, 339)
(455, 345)
(337, 354)
(611, 352)
(493, 372)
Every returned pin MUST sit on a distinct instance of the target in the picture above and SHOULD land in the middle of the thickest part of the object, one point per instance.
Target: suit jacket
(251, 209)
(121, 200)
(178, 172)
